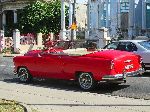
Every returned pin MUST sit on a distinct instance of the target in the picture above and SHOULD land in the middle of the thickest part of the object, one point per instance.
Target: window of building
(124, 5)
(93, 0)
(147, 15)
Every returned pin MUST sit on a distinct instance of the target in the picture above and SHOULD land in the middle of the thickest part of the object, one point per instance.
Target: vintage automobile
(140, 47)
(87, 68)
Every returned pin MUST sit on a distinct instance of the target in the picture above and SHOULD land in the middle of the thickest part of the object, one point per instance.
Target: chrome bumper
(113, 77)
(138, 72)
(122, 76)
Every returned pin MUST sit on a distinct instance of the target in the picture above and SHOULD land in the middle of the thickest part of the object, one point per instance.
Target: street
(6, 68)
(131, 96)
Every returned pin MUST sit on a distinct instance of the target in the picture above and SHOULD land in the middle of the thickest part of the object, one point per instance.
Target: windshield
(62, 44)
(145, 44)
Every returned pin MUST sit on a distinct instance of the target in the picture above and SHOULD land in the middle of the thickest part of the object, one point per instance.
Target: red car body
(107, 65)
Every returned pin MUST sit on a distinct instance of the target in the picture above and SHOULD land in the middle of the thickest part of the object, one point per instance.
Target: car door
(127, 46)
(121, 46)
(49, 65)
(144, 51)
(132, 47)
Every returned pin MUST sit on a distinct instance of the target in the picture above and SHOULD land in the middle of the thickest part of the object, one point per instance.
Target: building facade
(129, 18)
(79, 11)
(103, 13)
(8, 11)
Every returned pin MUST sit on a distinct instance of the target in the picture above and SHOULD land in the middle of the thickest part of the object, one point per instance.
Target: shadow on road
(69, 85)
(146, 74)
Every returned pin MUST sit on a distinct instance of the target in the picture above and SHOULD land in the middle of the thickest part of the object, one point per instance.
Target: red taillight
(112, 65)
(141, 60)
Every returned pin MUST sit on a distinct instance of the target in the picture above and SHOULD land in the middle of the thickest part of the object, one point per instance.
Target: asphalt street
(136, 87)
(6, 68)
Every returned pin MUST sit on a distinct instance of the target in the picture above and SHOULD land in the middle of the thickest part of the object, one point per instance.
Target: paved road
(6, 68)
(136, 87)
(53, 99)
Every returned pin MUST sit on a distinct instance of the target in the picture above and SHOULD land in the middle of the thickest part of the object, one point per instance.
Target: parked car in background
(86, 67)
(140, 47)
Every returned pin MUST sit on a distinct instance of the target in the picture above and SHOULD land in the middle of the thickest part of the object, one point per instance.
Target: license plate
(127, 67)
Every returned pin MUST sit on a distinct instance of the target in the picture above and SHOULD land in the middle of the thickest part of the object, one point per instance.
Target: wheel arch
(77, 73)
(30, 77)
(21, 67)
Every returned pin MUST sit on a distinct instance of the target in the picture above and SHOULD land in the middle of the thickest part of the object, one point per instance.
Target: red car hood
(109, 54)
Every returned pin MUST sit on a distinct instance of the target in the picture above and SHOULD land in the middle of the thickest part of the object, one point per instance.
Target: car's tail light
(141, 60)
(112, 65)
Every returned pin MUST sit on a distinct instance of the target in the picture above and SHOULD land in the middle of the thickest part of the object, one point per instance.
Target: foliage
(40, 16)
(6, 50)
(10, 51)
(10, 106)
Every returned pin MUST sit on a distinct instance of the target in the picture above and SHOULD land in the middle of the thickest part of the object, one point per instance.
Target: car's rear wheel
(24, 75)
(86, 81)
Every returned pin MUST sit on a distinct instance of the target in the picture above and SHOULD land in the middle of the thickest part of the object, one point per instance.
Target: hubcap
(85, 81)
(23, 74)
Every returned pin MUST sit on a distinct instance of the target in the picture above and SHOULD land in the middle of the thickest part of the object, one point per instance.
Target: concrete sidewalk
(48, 99)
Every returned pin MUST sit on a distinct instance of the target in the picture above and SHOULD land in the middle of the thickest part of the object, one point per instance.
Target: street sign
(73, 26)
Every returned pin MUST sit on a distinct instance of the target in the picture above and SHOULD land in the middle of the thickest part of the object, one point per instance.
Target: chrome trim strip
(128, 61)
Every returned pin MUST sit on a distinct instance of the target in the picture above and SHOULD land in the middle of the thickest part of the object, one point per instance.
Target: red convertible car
(87, 68)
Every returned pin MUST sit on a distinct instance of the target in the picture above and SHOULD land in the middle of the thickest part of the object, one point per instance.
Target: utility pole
(131, 19)
(63, 29)
(73, 22)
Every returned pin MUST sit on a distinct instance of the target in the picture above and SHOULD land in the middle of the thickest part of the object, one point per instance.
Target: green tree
(41, 17)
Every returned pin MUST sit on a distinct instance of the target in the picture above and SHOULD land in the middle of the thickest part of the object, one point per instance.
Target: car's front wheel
(24, 75)
(86, 81)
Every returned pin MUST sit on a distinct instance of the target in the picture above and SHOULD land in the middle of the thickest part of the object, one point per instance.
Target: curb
(8, 56)
(11, 55)
(26, 107)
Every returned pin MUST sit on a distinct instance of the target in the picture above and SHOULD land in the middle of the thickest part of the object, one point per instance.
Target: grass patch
(11, 106)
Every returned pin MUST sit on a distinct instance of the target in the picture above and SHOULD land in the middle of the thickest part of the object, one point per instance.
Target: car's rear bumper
(122, 76)
(113, 77)
(134, 73)
(146, 66)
